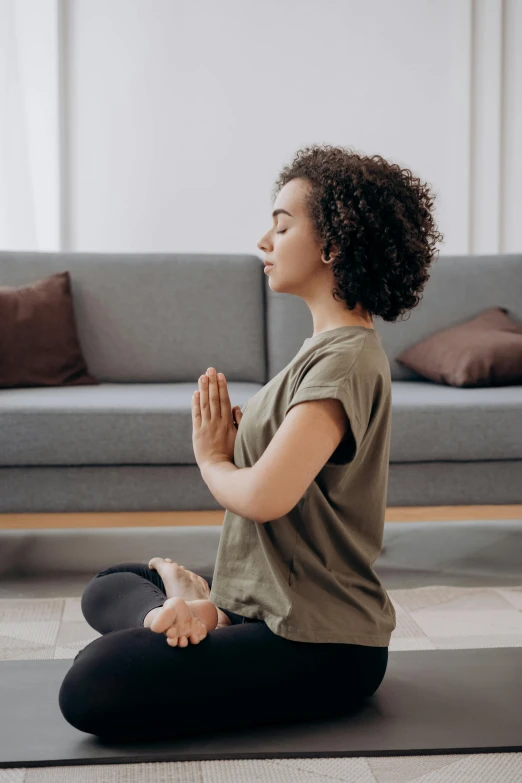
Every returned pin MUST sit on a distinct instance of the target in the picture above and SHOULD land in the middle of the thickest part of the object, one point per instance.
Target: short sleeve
(338, 392)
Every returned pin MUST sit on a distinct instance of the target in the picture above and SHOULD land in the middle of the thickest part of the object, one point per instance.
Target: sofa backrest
(159, 317)
(459, 288)
(166, 317)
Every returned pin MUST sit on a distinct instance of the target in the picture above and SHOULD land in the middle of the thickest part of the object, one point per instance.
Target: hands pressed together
(213, 420)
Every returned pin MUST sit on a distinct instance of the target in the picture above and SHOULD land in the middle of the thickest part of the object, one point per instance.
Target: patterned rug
(428, 618)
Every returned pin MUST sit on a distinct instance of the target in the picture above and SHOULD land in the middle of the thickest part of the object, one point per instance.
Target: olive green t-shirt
(309, 574)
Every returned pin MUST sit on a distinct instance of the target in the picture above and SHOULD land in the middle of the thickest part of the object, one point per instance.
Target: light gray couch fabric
(150, 324)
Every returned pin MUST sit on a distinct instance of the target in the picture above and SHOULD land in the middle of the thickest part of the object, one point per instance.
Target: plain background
(161, 125)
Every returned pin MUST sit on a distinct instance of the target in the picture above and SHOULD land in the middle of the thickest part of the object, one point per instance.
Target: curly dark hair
(379, 218)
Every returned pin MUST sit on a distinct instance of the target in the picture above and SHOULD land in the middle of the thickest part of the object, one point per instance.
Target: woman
(296, 616)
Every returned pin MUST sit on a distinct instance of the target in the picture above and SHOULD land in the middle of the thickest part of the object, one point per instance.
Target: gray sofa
(150, 324)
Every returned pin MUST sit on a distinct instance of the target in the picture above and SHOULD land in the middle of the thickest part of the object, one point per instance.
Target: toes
(194, 635)
(194, 632)
(175, 613)
(177, 641)
(154, 562)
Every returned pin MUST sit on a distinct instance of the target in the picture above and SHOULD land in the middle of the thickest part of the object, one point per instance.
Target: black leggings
(130, 685)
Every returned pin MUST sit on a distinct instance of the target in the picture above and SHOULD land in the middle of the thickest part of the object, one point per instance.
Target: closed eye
(281, 232)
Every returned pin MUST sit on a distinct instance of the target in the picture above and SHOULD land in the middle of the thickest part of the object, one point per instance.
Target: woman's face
(299, 267)
(290, 244)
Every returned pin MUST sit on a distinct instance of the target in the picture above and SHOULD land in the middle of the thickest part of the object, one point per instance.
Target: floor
(453, 585)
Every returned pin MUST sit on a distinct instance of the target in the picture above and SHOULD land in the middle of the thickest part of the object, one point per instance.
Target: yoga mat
(430, 702)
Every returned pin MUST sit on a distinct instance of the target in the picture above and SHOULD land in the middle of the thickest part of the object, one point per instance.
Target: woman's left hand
(213, 429)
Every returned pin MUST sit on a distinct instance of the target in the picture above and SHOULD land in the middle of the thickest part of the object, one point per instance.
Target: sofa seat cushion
(108, 424)
(431, 421)
(151, 424)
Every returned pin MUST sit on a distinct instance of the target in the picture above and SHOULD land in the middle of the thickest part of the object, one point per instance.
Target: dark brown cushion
(38, 341)
(485, 351)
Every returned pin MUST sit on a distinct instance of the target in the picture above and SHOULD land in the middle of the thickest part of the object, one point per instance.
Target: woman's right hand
(236, 412)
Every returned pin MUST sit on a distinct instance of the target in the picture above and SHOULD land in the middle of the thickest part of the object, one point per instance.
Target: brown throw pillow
(38, 341)
(485, 351)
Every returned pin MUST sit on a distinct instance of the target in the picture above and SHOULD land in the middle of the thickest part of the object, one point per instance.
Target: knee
(78, 701)
(117, 568)
(94, 591)
(90, 695)
(90, 601)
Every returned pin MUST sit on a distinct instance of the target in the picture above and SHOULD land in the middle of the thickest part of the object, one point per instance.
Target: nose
(262, 244)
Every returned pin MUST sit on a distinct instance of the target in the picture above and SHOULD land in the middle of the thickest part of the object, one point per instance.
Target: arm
(310, 433)
(233, 487)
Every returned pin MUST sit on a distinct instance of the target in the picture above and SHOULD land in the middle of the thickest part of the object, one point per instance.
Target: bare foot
(179, 581)
(181, 621)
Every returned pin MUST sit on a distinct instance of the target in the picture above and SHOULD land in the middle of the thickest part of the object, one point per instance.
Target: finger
(213, 395)
(223, 392)
(203, 398)
(196, 410)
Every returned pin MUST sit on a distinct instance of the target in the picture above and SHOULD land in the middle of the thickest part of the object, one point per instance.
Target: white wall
(30, 199)
(178, 115)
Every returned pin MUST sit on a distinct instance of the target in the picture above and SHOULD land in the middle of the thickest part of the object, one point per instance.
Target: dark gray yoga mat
(430, 701)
